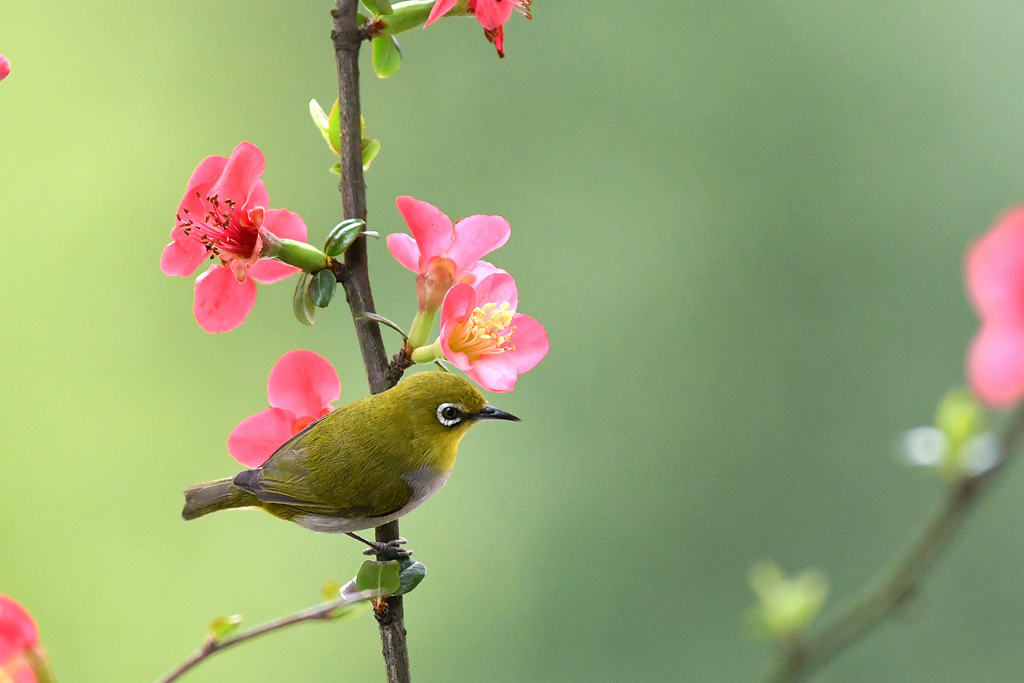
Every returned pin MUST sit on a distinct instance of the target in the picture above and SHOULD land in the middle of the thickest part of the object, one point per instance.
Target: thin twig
(804, 657)
(347, 40)
(316, 613)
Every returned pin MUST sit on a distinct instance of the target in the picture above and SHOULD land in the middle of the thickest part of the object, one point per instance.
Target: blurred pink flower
(994, 274)
(300, 388)
(442, 254)
(492, 15)
(223, 216)
(5, 67)
(19, 640)
(482, 334)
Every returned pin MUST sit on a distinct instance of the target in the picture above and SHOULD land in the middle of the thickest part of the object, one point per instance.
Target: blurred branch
(804, 656)
(212, 645)
(347, 39)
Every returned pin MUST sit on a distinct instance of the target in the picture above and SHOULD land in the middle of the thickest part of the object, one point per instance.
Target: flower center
(225, 231)
(481, 334)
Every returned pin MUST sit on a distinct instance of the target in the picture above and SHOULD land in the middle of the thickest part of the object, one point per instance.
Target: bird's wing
(285, 480)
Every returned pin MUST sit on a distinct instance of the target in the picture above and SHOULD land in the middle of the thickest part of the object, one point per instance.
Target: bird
(361, 466)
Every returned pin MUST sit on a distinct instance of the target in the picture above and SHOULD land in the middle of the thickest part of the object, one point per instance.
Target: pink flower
(994, 273)
(482, 334)
(5, 67)
(300, 388)
(224, 216)
(442, 254)
(19, 642)
(492, 15)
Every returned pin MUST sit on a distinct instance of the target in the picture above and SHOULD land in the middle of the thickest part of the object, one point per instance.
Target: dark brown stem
(803, 658)
(347, 39)
(211, 647)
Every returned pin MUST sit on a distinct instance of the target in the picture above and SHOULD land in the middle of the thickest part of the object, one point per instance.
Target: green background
(742, 224)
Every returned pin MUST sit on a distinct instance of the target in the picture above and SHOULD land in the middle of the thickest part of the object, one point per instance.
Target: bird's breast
(423, 482)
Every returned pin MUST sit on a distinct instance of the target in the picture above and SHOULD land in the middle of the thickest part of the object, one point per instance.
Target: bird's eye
(449, 414)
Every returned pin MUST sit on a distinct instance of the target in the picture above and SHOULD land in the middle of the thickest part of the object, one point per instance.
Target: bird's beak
(491, 413)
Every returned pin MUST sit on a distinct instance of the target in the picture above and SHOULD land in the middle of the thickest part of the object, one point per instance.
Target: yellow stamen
(481, 334)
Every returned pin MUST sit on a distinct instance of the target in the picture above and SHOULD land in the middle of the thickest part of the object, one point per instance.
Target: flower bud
(787, 606)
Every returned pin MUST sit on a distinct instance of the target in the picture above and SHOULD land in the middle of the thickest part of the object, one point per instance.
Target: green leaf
(223, 626)
(342, 236)
(370, 149)
(336, 168)
(412, 573)
(321, 288)
(379, 576)
(384, 7)
(302, 305)
(334, 128)
(371, 5)
(387, 57)
(320, 119)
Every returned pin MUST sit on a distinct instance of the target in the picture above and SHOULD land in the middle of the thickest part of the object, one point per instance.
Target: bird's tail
(202, 499)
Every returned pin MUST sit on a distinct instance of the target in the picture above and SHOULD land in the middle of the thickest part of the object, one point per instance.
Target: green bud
(331, 590)
(412, 14)
(302, 305)
(960, 417)
(294, 253)
(378, 6)
(787, 606)
(221, 627)
(343, 235)
(321, 287)
(387, 57)
(379, 576)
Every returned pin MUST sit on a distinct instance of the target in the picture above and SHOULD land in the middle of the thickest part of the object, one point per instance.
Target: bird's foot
(391, 550)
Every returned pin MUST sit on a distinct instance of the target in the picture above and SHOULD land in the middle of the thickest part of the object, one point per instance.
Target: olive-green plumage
(362, 465)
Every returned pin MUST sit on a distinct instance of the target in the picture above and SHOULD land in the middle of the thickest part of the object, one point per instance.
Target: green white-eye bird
(361, 466)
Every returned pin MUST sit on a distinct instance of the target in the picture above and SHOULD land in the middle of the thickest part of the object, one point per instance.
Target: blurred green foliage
(741, 223)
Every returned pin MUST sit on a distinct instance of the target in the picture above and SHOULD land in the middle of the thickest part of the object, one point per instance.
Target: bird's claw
(391, 550)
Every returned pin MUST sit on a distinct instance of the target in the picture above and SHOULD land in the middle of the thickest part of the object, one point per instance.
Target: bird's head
(443, 406)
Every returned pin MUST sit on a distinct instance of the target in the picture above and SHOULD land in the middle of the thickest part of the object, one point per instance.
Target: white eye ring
(449, 414)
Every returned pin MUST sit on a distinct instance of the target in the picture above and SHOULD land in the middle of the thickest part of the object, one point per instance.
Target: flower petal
(256, 438)
(499, 289)
(222, 302)
(18, 631)
(531, 343)
(431, 229)
(285, 224)
(405, 251)
(182, 257)
(994, 271)
(205, 175)
(459, 302)
(478, 272)
(494, 373)
(493, 13)
(995, 365)
(476, 236)
(441, 8)
(241, 175)
(257, 198)
(303, 383)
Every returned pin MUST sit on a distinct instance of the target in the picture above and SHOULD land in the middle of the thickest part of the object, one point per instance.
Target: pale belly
(423, 482)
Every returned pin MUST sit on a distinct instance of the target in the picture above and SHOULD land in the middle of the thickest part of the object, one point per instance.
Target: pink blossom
(482, 334)
(300, 388)
(492, 15)
(5, 67)
(224, 216)
(19, 641)
(994, 273)
(442, 254)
